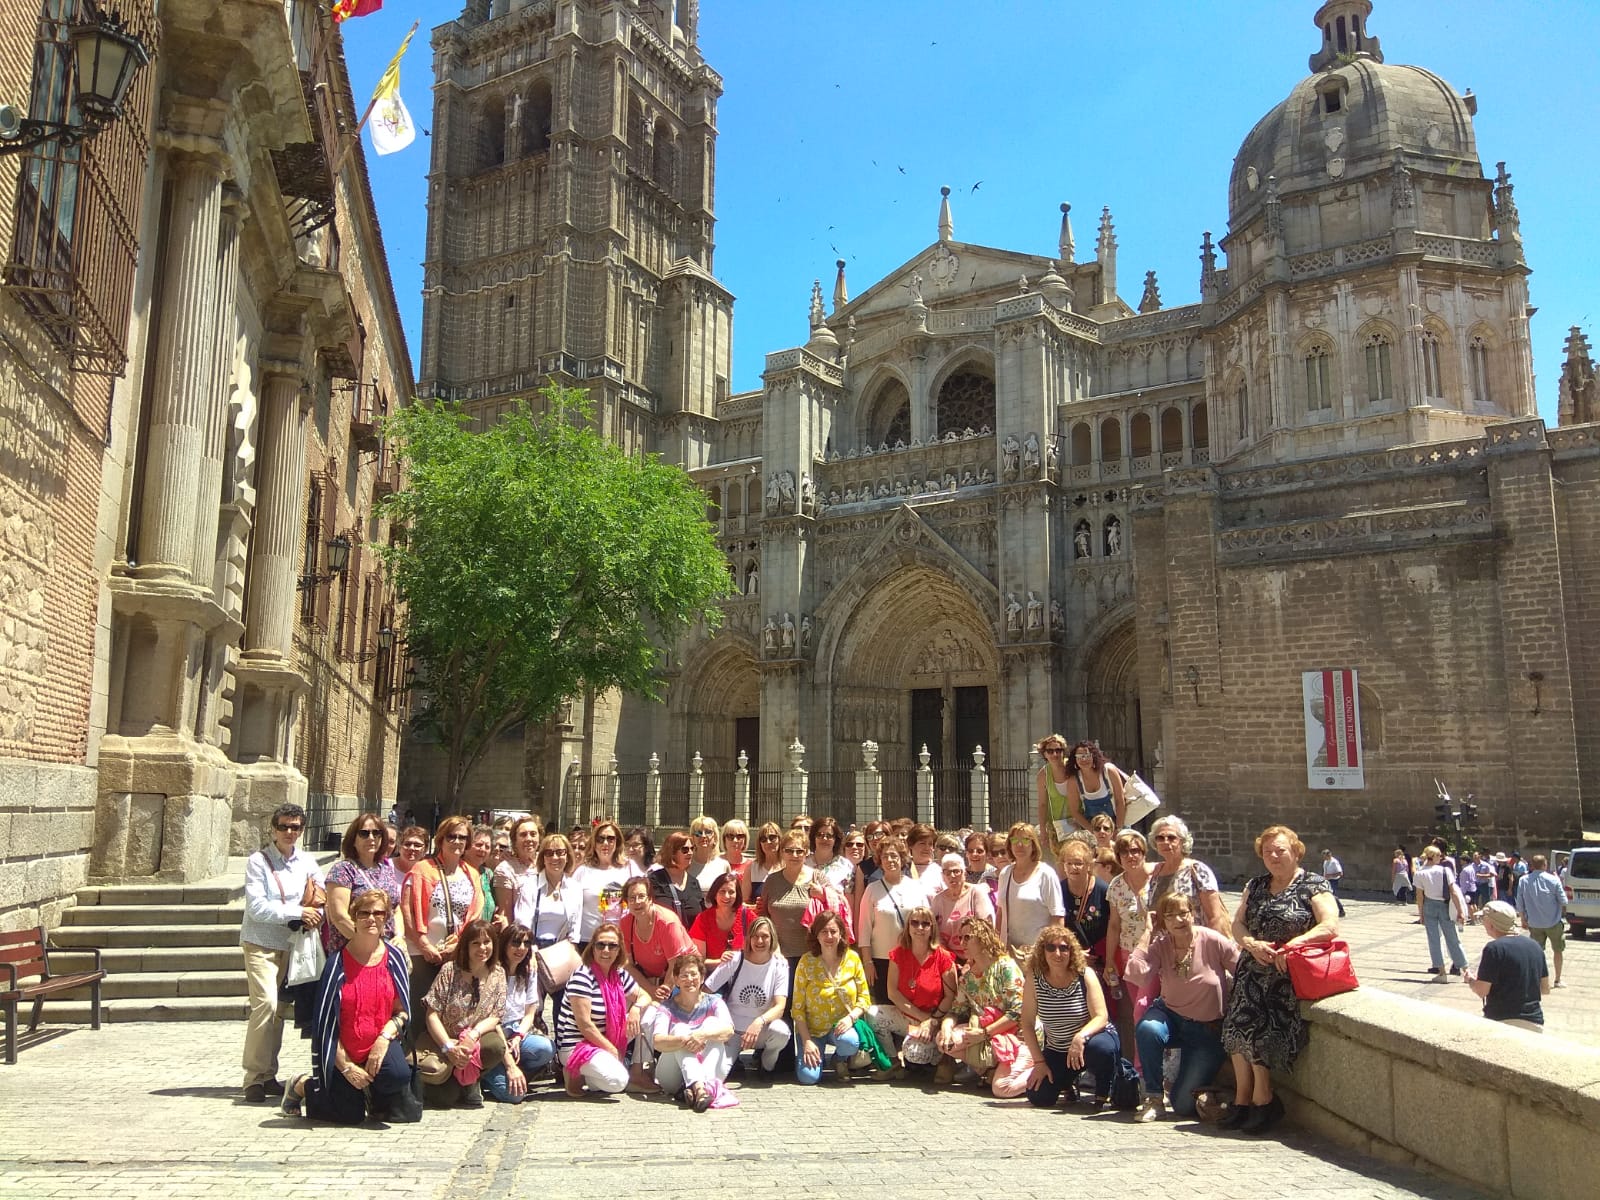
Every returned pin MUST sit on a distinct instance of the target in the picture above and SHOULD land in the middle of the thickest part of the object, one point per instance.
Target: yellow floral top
(821, 999)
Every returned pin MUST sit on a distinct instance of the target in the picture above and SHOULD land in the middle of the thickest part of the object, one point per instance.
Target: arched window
(1139, 431)
(1478, 360)
(665, 166)
(888, 415)
(966, 401)
(714, 505)
(1171, 431)
(1199, 427)
(1110, 440)
(639, 138)
(1319, 383)
(1080, 445)
(1241, 409)
(536, 119)
(1380, 373)
(752, 578)
(1432, 374)
(492, 134)
(735, 499)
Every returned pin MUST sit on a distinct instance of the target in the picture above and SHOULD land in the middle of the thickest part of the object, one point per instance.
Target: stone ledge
(1410, 1082)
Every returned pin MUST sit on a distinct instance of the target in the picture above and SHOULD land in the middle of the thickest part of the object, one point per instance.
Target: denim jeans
(1199, 1050)
(845, 1046)
(335, 1100)
(1100, 1054)
(535, 1055)
(1436, 920)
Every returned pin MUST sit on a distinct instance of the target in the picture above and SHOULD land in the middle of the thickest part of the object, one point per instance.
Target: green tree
(538, 562)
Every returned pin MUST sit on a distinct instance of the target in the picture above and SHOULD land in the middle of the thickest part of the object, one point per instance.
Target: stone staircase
(170, 951)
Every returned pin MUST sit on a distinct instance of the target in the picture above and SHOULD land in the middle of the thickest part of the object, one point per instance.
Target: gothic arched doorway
(718, 702)
(1111, 696)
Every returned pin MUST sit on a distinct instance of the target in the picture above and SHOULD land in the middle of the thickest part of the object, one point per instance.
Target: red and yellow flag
(344, 9)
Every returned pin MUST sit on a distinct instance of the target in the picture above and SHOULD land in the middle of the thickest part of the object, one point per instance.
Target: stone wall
(1403, 1080)
(46, 831)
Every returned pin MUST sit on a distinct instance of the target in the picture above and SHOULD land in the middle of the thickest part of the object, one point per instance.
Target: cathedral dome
(1353, 115)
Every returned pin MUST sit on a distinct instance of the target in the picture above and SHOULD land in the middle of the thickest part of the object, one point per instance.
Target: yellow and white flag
(392, 126)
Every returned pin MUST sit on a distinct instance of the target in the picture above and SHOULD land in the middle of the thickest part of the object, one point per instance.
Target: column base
(261, 787)
(163, 811)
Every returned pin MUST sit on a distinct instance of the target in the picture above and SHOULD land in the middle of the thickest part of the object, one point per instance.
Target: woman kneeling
(691, 1031)
(599, 1016)
(362, 1009)
(1065, 997)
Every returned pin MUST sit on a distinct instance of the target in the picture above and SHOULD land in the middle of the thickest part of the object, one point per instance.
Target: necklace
(1185, 964)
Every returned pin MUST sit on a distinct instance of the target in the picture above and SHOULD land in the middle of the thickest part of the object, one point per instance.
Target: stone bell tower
(571, 229)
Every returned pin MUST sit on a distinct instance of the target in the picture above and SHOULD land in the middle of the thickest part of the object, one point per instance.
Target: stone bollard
(569, 810)
(697, 786)
(613, 799)
(795, 783)
(741, 793)
(924, 787)
(869, 786)
(980, 790)
(652, 794)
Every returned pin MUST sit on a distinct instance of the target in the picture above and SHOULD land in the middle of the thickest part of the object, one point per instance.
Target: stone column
(215, 408)
(741, 790)
(186, 354)
(869, 786)
(795, 782)
(652, 794)
(980, 790)
(924, 787)
(269, 609)
(697, 786)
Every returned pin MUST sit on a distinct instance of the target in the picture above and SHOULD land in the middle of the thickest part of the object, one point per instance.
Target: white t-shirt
(1028, 905)
(602, 895)
(710, 873)
(755, 986)
(520, 993)
(931, 881)
(882, 914)
(551, 917)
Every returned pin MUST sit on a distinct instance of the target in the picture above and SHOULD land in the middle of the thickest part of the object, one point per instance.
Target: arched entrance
(1111, 696)
(915, 665)
(718, 705)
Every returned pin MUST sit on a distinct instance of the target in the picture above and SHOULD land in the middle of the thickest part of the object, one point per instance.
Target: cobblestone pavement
(152, 1110)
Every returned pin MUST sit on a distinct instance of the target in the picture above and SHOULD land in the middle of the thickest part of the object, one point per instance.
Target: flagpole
(344, 151)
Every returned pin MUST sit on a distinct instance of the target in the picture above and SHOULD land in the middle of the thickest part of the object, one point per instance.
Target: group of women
(817, 949)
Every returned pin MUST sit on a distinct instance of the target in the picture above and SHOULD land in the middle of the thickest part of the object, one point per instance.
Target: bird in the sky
(902, 170)
(977, 185)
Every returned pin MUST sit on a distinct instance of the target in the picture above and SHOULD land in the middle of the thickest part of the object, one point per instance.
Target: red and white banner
(1333, 728)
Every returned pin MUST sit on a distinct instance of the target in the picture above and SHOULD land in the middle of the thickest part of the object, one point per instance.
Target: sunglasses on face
(455, 837)
(521, 941)
(608, 945)
(920, 924)
(703, 833)
(605, 838)
(377, 833)
(288, 828)
(372, 914)
(794, 852)
(1057, 948)
(769, 837)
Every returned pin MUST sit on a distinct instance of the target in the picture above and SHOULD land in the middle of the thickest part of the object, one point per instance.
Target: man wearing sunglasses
(275, 894)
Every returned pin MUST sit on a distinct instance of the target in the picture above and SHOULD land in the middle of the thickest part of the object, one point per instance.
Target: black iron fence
(675, 812)
(832, 794)
(1011, 797)
(766, 798)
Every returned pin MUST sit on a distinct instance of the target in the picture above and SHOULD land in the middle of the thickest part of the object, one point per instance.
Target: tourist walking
(1444, 911)
(1542, 907)
(1333, 872)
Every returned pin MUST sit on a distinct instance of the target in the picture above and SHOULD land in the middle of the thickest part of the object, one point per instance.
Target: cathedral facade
(988, 497)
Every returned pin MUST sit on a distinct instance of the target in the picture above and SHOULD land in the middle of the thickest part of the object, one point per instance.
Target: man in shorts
(1542, 905)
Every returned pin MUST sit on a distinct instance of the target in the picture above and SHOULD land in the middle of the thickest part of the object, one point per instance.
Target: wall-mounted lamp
(338, 560)
(105, 58)
(1193, 676)
(1536, 678)
(385, 644)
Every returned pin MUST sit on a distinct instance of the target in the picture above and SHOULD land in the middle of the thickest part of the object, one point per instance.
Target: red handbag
(1318, 970)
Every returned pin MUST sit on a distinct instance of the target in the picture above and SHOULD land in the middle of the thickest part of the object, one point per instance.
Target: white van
(1581, 875)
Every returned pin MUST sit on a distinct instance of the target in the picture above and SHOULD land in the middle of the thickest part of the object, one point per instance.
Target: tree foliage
(538, 562)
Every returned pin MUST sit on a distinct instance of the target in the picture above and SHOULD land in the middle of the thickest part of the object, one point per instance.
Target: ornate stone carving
(1010, 458)
(1030, 456)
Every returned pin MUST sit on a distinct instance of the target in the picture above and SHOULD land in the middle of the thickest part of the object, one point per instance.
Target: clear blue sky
(842, 118)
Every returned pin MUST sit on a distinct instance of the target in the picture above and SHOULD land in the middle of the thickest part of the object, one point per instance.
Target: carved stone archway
(1111, 695)
(720, 688)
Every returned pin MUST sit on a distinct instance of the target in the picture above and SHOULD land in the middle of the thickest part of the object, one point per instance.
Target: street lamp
(385, 642)
(105, 58)
(338, 560)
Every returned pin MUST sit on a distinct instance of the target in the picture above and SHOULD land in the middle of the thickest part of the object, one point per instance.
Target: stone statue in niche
(1010, 454)
(1058, 618)
(883, 489)
(769, 636)
(786, 491)
(1013, 614)
(1080, 540)
(949, 481)
(773, 494)
(805, 634)
(752, 582)
(1035, 613)
(1113, 537)
(786, 634)
(986, 475)
(1051, 454)
(808, 496)
(833, 495)
(1030, 456)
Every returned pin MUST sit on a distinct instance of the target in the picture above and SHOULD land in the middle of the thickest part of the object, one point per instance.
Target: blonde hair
(1283, 831)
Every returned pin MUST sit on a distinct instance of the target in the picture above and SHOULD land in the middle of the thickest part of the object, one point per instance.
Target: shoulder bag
(1140, 799)
(1318, 970)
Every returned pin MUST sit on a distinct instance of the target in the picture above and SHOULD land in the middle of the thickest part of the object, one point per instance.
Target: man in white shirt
(1333, 872)
(275, 880)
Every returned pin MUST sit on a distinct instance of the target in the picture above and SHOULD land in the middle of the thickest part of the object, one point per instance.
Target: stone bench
(1405, 1081)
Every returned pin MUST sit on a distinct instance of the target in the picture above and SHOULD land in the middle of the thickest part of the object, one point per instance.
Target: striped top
(583, 983)
(1062, 1011)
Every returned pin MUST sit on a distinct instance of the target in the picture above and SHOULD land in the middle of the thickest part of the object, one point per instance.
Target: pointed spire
(1578, 402)
(1344, 34)
(1106, 256)
(841, 296)
(1056, 289)
(1151, 300)
(1208, 268)
(816, 313)
(823, 342)
(947, 227)
(1066, 246)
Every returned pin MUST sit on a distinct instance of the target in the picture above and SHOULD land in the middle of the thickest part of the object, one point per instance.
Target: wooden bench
(24, 956)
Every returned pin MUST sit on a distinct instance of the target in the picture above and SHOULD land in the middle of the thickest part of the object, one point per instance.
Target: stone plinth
(164, 809)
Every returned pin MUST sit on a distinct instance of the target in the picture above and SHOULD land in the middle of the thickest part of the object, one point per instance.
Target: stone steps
(170, 950)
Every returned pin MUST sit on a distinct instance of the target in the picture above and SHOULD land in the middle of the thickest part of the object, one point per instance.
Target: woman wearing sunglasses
(766, 861)
(361, 868)
(921, 990)
(601, 877)
(708, 861)
(528, 1052)
(441, 896)
(1061, 995)
(599, 1016)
